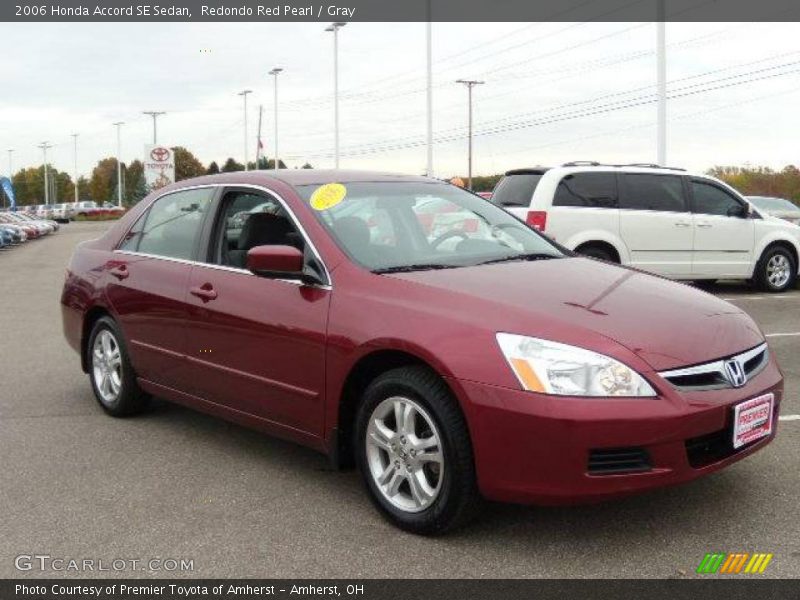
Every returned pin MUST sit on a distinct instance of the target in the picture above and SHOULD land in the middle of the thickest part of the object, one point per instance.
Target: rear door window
(172, 225)
(516, 190)
(598, 190)
(645, 191)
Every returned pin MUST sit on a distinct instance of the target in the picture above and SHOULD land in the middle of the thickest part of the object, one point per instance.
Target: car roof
(295, 177)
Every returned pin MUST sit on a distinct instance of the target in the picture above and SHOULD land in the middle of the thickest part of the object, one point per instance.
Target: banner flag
(8, 188)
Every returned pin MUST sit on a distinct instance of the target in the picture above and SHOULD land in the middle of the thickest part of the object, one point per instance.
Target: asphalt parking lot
(173, 483)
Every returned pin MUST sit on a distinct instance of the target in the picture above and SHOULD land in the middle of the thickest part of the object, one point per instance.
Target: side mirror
(740, 211)
(275, 261)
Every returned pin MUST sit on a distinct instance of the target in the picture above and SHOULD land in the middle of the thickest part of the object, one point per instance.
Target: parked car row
(68, 211)
(18, 227)
(666, 221)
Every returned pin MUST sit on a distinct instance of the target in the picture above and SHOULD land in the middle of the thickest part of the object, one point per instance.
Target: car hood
(665, 323)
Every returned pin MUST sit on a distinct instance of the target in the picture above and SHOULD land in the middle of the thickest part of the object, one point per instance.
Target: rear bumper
(534, 449)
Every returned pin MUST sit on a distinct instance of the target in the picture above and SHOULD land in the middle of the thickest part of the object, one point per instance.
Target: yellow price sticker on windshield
(327, 196)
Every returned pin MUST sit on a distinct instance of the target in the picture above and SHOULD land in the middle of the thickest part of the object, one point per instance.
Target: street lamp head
(276, 70)
(245, 92)
(118, 123)
(335, 26)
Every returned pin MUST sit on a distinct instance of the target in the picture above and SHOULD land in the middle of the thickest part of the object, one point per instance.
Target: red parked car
(449, 362)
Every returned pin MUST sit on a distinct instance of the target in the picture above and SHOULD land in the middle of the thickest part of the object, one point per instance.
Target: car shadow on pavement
(671, 509)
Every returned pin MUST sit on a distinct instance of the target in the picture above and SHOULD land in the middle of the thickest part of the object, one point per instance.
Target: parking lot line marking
(789, 334)
(784, 297)
(789, 418)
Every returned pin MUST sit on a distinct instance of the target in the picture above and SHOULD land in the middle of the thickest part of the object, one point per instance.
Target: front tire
(776, 270)
(414, 452)
(111, 373)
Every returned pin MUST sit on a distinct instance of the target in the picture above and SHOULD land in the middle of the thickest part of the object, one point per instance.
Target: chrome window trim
(195, 263)
(284, 204)
(717, 366)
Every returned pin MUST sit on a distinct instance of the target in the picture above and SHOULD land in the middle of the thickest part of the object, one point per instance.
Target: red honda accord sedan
(410, 327)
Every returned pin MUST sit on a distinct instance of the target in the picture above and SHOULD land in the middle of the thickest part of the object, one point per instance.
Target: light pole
(429, 94)
(155, 114)
(75, 162)
(44, 146)
(335, 27)
(119, 125)
(661, 68)
(243, 94)
(274, 74)
(470, 83)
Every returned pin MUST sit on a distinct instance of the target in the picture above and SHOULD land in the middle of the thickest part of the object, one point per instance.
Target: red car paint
(276, 356)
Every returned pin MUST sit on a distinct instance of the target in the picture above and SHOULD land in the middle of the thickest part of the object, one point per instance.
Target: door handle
(682, 224)
(205, 292)
(704, 225)
(120, 272)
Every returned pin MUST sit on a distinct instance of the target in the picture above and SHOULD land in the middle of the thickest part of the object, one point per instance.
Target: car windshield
(765, 203)
(409, 226)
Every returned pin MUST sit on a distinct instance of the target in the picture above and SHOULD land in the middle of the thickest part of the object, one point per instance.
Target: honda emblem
(735, 373)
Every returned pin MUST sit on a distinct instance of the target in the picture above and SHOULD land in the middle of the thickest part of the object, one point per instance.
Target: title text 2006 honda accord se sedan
(417, 330)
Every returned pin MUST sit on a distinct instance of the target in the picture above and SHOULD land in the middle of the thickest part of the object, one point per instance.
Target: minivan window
(644, 191)
(712, 200)
(516, 190)
(587, 189)
(173, 223)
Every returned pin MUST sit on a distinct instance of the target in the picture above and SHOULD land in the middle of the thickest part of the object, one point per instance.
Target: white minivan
(666, 221)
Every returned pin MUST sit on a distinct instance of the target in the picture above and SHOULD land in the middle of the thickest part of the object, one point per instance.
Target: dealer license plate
(752, 420)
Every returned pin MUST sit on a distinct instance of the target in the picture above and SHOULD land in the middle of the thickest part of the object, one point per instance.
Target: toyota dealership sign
(159, 166)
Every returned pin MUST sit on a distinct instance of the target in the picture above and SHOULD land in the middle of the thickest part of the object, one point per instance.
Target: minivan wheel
(776, 270)
(113, 378)
(414, 452)
(598, 252)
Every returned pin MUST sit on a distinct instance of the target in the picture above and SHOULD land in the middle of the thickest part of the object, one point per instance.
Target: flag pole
(258, 139)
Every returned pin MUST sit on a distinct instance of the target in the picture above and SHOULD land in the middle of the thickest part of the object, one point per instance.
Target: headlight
(553, 368)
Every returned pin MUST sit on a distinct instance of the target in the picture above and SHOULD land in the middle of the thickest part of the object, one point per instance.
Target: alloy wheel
(778, 270)
(404, 454)
(107, 366)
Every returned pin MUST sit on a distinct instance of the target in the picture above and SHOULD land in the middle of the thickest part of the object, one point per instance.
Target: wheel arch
(774, 242)
(364, 370)
(93, 315)
(602, 238)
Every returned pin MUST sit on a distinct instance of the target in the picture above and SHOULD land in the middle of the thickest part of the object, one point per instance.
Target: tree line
(101, 186)
(762, 181)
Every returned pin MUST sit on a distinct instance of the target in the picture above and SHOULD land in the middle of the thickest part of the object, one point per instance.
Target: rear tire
(776, 270)
(418, 466)
(597, 252)
(111, 373)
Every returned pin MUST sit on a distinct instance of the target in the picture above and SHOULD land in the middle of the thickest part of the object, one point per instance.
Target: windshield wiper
(419, 267)
(525, 257)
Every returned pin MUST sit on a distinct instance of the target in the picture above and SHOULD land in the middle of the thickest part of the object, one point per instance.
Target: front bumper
(534, 449)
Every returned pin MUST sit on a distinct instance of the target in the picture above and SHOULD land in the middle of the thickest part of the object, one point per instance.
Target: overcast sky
(553, 92)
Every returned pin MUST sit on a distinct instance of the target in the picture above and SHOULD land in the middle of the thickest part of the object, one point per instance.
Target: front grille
(614, 461)
(713, 375)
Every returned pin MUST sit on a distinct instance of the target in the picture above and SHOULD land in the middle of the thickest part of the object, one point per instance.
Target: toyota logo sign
(159, 154)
